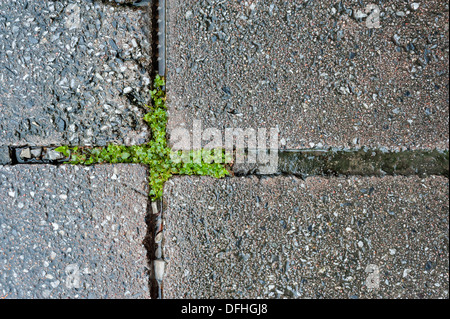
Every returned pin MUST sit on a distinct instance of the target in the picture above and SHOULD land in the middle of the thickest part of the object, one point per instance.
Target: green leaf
(63, 149)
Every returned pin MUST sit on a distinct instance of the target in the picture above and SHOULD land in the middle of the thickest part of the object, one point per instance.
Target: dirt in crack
(363, 162)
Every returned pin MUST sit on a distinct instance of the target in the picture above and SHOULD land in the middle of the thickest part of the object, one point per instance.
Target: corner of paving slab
(283, 237)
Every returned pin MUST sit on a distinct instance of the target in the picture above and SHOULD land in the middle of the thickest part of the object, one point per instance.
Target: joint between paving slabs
(153, 244)
(35, 155)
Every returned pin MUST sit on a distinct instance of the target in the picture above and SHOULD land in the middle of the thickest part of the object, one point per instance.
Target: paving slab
(73, 72)
(316, 70)
(73, 232)
(283, 237)
(361, 162)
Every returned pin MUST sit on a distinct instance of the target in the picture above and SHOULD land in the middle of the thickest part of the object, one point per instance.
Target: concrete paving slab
(284, 237)
(316, 70)
(73, 232)
(5, 157)
(71, 71)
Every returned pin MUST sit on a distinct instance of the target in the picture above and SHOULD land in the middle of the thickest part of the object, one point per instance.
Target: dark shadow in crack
(151, 246)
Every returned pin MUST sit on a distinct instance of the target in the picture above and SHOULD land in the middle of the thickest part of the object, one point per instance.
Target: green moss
(364, 162)
(162, 161)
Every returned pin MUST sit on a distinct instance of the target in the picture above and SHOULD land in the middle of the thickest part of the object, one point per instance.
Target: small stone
(415, 6)
(159, 237)
(396, 39)
(154, 208)
(158, 252)
(25, 153)
(159, 269)
(359, 14)
(60, 124)
(189, 15)
(392, 251)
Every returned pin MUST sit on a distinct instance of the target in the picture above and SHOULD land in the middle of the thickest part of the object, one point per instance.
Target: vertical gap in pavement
(154, 220)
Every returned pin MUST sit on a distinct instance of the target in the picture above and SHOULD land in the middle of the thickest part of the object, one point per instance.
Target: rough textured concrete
(312, 69)
(71, 70)
(73, 232)
(287, 238)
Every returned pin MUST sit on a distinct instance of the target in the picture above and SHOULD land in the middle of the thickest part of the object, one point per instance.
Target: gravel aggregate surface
(73, 232)
(312, 69)
(284, 237)
(73, 71)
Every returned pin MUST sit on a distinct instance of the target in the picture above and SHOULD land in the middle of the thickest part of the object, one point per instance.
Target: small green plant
(162, 161)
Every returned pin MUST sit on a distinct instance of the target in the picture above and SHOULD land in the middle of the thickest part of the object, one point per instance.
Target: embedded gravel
(73, 72)
(312, 69)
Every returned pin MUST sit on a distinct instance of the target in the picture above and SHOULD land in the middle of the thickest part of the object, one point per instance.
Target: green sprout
(163, 163)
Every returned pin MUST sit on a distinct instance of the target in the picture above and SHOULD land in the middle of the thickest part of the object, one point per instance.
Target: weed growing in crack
(156, 154)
